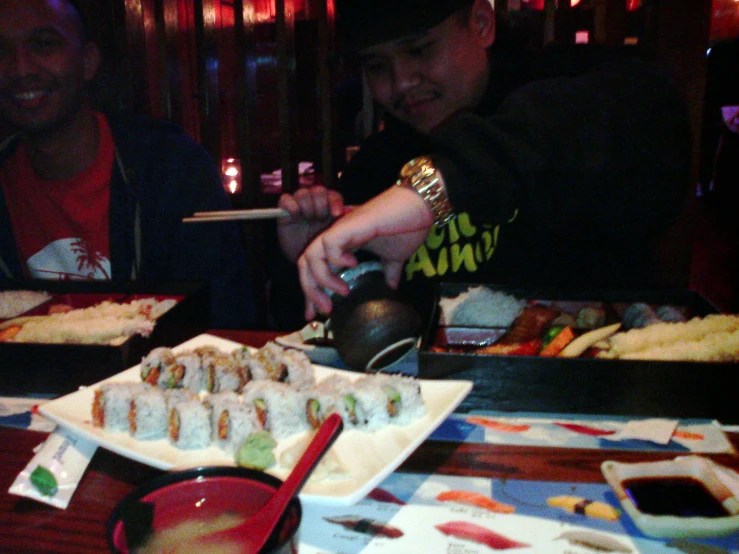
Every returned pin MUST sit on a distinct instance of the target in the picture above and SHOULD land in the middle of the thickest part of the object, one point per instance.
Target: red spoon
(254, 533)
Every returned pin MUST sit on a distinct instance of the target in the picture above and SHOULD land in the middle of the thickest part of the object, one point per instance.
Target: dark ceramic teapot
(373, 326)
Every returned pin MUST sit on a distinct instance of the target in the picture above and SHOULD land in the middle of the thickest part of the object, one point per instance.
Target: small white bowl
(674, 526)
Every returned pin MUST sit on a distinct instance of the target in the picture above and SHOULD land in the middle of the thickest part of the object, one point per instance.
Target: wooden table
(30, 527)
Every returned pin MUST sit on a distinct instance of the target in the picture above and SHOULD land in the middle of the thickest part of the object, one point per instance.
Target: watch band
(421, 175)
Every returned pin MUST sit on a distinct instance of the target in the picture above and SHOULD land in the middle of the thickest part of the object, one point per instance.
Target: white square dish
(369, 457)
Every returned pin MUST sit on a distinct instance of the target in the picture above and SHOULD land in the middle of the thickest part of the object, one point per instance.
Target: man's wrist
(421, 175)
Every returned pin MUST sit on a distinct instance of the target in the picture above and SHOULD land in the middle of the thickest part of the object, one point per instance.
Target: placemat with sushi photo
(442, 514)
(213, 401)
(484, 320)
(583, 431)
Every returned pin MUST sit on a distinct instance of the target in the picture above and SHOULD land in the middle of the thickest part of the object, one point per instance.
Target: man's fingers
(393, 272)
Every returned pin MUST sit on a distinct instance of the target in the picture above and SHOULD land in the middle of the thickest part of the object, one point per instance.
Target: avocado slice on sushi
(393, 400)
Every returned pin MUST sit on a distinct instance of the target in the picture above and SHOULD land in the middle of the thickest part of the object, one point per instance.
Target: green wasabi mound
(257, 451)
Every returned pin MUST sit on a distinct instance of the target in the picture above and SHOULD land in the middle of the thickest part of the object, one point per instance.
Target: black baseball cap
(364, 23)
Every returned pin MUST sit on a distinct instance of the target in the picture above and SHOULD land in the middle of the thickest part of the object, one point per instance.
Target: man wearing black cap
(557, 169)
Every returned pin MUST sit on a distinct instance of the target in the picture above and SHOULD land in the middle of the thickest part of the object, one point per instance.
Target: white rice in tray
(480, 307)
(16, 302)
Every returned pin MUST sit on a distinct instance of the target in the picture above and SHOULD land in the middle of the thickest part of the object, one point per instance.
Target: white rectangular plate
(369, 457)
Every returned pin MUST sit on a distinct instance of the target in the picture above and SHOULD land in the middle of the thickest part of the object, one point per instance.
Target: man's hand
(311, 210)
(392, 225)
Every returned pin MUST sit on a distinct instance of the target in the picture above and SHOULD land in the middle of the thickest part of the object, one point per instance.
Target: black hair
(81, 17)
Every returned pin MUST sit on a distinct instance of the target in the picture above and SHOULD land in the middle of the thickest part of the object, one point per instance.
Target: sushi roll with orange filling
(112, 403)
(243, 356)
(190, 374)
(274, 363)
(158, 367)
(232, 421)
(222, 373)
(189, 425)
(279, 407)
(266, 364)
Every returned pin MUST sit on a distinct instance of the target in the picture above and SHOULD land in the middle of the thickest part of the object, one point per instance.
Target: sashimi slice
(476, 499)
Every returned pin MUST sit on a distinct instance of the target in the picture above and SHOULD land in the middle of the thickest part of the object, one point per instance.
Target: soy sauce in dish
(673, 496)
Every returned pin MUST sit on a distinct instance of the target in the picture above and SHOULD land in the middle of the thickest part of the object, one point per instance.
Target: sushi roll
(299, 369)
(111, 405)
(279, 407)
(274, 363)
(206, 352)
(243, 356)
(190, 374)
(157, 366)
(173, 396)
(189, 425)
(222, 373)
(148, 414)
(403, 399)
(267, 364)
(328, 397)
(231, 421)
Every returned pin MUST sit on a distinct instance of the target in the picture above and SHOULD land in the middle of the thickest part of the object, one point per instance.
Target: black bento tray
(587, 385)
(54, 369)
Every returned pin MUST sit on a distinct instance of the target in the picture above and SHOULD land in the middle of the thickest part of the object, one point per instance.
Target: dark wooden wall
(247, 81)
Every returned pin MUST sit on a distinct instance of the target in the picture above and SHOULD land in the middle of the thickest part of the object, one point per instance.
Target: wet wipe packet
(56, 469)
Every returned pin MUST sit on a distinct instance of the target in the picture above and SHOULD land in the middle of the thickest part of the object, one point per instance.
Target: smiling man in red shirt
(88, 195)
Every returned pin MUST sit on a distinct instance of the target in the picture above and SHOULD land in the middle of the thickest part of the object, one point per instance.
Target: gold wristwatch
(421, 175)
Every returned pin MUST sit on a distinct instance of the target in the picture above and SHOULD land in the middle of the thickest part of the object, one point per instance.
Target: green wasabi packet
(257, 451)
(44, 481)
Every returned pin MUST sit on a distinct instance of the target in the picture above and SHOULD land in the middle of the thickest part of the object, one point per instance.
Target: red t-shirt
(61, 227)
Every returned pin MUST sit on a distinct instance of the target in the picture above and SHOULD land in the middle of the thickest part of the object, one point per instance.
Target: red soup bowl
(182, 504)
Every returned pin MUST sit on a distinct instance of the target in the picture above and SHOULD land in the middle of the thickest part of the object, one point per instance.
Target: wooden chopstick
(237, 215)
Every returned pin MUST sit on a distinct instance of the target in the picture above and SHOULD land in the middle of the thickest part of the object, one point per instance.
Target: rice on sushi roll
(206, 352)
(367, 404)
(189, 425)
(266, 363)
(299, 368)
(222, 373)
(232, 421)
(274, 363)
(112, 403)
(191, 374)
(403, 400)
(325, 398)
(243, 355)
(279, 407)
(148, 414)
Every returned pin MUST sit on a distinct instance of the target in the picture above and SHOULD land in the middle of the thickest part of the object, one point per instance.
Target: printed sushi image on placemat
(441, 514)
(578, 431)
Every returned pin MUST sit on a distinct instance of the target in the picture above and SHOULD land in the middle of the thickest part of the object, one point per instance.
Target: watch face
(417, 165)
